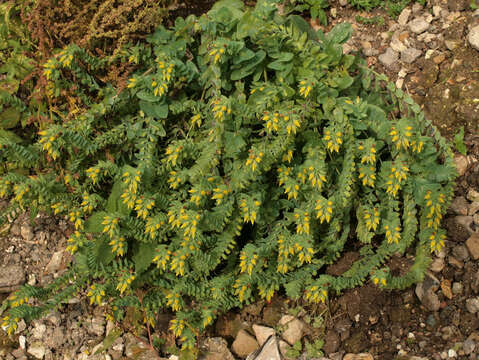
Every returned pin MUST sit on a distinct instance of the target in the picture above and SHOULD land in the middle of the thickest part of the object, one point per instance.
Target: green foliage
(459, 141)
(317, 8)
(246, 151)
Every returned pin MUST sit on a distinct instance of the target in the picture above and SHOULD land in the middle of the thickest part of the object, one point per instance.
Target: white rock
(452, 353)
(22, 341)
(39, 330)
(293, 329)
(389, 58)
(270, 351)
(472, 305)
(37, 350)
(404, 16)
(436, 10)
(262, 333)
(473, 37)
(418, 25)
(55, 262)
(27, 232)
(410, 55)
(397, 45)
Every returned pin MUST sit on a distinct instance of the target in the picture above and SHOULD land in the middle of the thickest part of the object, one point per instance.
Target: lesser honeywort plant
(245, 154)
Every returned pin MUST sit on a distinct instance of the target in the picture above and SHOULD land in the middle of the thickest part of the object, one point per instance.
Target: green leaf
(9, 118)
(303, 26)
(144, 256)
(9, 136)
(94, 222)
(147, 96)
(459, 141)
(158, 111)
(340, 33)
(234, 144)
(102, 251)
(115, 203)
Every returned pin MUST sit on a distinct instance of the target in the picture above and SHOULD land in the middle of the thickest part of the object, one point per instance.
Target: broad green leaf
(9, 118)
(340, 33)
(147, 96)
(94, 222)
(9, 136)
(144, 256)
(155, 110)
(115, 203)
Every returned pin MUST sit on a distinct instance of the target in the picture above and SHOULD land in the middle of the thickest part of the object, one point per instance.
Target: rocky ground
(433, 53)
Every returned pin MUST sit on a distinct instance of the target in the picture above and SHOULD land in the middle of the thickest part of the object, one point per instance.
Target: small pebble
(457, 288)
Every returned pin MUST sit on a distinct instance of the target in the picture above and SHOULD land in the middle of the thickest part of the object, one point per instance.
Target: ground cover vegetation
(317, 8)
(241, 156)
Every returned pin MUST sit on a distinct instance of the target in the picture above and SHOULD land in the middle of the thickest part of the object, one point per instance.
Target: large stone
(244, 344)
(473, 37)
(37, 350)
(215, 349)
(12, 276)
(418, 25)
(404, 16)
(459, 205)
(362, 356)
(389, 58)
(431, 301)
(27, 232)
(54, 263)
(293, 329)
(262, 333)
(270, 351)
(473, 246)
(97, 326)
(472, 305)
(410, 55)
(331, 342)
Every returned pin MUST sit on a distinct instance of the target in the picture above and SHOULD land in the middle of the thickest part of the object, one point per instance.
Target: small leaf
(9, 118)
(459, 141)
(144, 256)
(94, 222)
(340, 33)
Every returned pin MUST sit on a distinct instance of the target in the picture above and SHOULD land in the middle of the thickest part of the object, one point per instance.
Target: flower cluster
(96, 294)
(162, 257)
(436, 238)
(434, 208)
(75, 241)
(131, 180)
(248, 260)
(153, 224)
(395, 178)
(111, 227)
(401, 134)
(371, 218)
(75, 217)
(217, 52)
(118, 245)
(367, 174)
(220, 109)
(249, 209)
(125, 282)
(174, 300)
(316, 294)
(305, 88)
(333, 139)
(324, 209)
(4, 187)
(144, 206)
(47, 141)
(393, 232)
(254, 159)
(302, 221)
